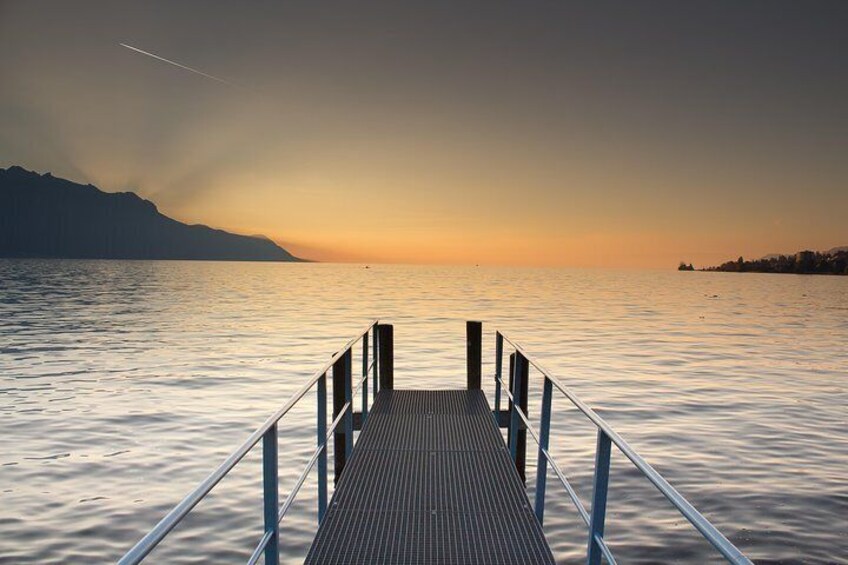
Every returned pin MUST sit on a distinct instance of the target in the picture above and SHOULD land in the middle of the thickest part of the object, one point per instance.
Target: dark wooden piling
(341, 396)
(474, 353)
(385, 335)
(509, 401)
(519, 386)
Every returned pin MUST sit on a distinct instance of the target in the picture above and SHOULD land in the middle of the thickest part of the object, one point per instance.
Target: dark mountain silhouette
(45, 216)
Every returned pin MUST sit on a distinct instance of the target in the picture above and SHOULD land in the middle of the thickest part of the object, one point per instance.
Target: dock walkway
(430, 481)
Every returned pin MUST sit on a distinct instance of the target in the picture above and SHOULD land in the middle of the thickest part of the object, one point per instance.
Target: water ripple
(122, 384)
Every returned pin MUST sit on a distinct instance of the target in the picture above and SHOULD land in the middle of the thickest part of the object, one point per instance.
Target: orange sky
(555, 135)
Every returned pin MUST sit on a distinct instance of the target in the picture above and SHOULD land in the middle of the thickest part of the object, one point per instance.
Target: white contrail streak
(163, 59)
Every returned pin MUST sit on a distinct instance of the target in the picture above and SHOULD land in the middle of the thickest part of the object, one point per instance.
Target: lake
(123, 384)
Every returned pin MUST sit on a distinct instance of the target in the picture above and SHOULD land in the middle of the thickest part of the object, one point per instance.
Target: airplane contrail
(163, 59)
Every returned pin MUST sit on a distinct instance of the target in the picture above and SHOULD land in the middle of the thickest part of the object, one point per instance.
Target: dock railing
(381, 338)
(378, 367)
(518, 421)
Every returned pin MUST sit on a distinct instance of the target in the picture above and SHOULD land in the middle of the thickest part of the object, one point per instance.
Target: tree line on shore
(804, 262)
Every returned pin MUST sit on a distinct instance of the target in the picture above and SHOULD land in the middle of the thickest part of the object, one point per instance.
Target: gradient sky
(526, 133)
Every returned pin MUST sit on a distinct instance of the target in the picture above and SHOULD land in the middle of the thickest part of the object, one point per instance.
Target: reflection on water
(122, 384)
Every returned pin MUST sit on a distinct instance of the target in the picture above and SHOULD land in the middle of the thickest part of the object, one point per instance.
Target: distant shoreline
(297, 260)
(833, 262)
(43, 217)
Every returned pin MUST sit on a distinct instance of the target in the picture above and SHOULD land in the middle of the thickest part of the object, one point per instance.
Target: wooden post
(322, 440)
(509, 402)
(364, 378)
(498, 375)
(521, 461)
(518, 430)
(514, 420)
(339, 435)
(387, 356)
(474, 353)
(348, 398)
(375, 378)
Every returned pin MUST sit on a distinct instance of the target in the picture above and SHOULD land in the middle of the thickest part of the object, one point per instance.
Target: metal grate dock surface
(430, 481)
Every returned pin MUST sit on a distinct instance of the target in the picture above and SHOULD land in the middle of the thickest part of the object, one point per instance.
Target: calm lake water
(123, 384)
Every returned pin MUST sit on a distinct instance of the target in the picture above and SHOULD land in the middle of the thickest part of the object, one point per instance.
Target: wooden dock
(430, 480)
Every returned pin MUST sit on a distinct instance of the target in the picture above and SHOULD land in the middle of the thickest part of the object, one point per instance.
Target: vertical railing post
(599, 497)
(348, 395)
(376, 355)
(271, 494)
(387, 356)
(322, 442)
(339, 435)
(542, 460)
(498, 375)
(364, 377)
(474, 354)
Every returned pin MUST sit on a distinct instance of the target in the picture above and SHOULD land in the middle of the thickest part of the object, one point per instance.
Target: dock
(431, 478)
(430, 481)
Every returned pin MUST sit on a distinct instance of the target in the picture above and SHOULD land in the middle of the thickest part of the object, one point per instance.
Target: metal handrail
(707, 530)
(263, 542)
(584, 514)
(144, 546)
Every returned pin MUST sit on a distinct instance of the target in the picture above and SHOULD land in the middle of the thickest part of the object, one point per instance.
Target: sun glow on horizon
(525, 137)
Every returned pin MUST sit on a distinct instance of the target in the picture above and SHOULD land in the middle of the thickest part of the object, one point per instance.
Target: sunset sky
(523, 133)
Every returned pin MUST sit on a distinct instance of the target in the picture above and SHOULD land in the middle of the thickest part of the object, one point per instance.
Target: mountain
(45, 216)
